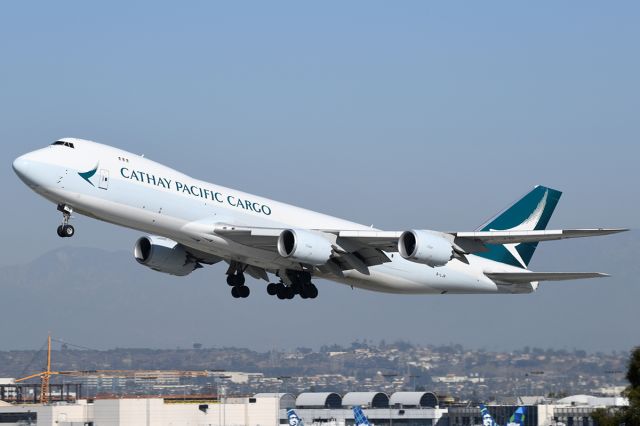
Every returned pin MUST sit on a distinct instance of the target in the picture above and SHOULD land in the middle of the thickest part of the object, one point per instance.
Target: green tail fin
(531, 212)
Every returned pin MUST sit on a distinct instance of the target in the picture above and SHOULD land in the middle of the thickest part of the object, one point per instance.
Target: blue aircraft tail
(516, 419)
(531, 212)
(294, 420)
(359, 417)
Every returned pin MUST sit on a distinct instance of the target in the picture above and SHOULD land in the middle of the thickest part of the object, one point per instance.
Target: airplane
(516, 419)
(358, 416)
(192, 223)
(294, 419)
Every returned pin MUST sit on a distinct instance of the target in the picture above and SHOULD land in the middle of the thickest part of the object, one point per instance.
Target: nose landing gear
(65, 230)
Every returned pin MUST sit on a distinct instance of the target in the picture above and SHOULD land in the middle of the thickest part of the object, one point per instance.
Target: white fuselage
(135, 192)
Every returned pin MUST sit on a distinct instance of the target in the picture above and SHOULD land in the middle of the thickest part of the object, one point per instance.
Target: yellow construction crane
(45, 376)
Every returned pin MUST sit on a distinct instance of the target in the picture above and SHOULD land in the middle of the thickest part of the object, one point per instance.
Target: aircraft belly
(404, 277)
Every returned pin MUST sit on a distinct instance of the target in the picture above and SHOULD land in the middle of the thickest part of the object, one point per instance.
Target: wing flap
(527, 277)
(260, 238)
(381, 240)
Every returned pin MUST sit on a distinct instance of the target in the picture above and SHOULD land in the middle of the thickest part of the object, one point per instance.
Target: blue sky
(401, 115)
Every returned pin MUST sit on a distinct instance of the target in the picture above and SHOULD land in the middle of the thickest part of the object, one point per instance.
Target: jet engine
(425, 247)
(304, 246)
(164, 255)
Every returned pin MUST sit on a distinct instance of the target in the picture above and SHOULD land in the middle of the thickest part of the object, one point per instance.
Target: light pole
(217, 381)
(414, 376)
(389, 376)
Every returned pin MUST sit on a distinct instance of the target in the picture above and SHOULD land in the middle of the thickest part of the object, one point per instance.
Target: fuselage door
(104, 179)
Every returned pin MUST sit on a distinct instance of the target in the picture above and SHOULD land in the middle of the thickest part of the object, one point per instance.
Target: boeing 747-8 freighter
(192, 223)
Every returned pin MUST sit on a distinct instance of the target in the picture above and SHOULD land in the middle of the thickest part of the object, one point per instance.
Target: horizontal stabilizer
(527, 277)
(517, 237)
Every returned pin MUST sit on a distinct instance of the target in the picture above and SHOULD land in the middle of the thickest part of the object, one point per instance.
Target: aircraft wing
(473, 242)
(527, 277)
(370, 245)
(352, 249)
(268, 237)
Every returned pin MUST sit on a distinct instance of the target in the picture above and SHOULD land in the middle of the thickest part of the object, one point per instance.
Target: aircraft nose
(21, 166)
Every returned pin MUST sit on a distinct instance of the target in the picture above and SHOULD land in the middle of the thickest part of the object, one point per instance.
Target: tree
(632, 416)
(628, 415)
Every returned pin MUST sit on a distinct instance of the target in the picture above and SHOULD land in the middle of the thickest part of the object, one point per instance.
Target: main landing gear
(291, 283)
(65, 230)
(300, 283)
(236, 280)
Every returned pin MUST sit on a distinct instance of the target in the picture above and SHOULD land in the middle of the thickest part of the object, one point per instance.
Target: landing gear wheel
(312, 291)
(272, 289)
(281, 292)
(235, 292)
(290, 293)
(59, 230)
(68, 231)
(243, 291)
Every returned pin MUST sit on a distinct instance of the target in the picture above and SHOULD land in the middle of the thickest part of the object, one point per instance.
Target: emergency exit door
(104, 179)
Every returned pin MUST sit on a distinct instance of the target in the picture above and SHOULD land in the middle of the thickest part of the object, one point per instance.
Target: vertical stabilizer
(531, 212)
(359, 417)
(294, 420)
(517, 418)
(487, 420)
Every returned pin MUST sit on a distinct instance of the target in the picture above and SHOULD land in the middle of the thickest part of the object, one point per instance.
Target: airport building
(315, 409)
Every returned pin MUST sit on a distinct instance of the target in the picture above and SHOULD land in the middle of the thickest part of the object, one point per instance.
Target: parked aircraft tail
(487, 420)
(294, 420)
(516, 419)
(359, 417)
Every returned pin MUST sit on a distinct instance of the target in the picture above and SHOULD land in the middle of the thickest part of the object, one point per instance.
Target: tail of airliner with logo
(359, 417)
(294, 420)
(487, 420)
(530, 213)
(516, 419)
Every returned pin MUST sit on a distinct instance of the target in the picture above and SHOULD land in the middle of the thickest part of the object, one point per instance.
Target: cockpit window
(67, 144)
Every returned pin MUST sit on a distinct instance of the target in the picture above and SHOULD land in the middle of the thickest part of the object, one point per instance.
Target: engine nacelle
(425, 247)
(164, 255)
(304, 246)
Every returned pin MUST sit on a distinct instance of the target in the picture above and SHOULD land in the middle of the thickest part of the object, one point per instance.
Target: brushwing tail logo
(529, 224)
(89, 174)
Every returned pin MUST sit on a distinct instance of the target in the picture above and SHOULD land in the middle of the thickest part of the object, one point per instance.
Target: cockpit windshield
(67, 144)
